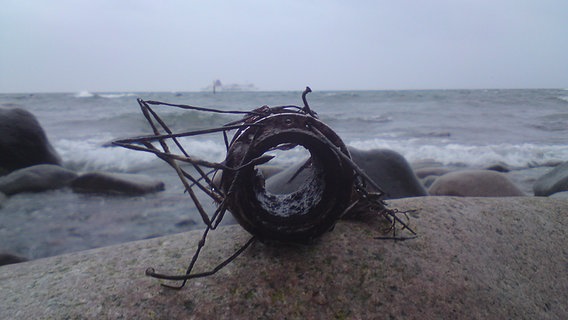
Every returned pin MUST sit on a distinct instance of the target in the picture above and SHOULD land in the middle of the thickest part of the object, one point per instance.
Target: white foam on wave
(84, 94)
(205, 149)
(95, 155)
(87, 94)
(515, 155)
(91, 155)
(115, 95)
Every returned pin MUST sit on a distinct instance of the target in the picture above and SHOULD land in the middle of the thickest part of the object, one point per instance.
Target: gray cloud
(282, 45)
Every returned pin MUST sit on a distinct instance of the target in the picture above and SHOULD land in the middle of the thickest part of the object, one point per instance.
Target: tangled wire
(327, 186)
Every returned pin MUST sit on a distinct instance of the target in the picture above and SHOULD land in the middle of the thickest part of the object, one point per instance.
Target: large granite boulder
(390, 171)
(116, 183)
(473, 258)
(553, 182)
(474, 183)
(23, 142)
(36, 178)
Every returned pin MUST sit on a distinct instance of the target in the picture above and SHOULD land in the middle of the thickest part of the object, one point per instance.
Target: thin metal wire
(202, 180)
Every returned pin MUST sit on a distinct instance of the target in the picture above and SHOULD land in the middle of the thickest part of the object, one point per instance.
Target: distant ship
(217, 86)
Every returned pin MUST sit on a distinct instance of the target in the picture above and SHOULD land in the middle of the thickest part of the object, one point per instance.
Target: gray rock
(560, 195)
(474, 258)
(499, 167)
(474, 183)
(36, 178)
(8, 258)
(23, 142)
(428, 181)
(116, 183)
(390, 171)
(554, 181)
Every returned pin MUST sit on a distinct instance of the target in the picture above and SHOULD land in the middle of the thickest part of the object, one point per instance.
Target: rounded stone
(474, 183)
(116, 183)
(36, 178)
(390, 170)
(553, 182)
(23, 142)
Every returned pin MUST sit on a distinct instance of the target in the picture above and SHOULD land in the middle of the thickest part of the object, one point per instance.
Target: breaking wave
(96, 154)
(87, 94)
(99, 155)
(514, 155)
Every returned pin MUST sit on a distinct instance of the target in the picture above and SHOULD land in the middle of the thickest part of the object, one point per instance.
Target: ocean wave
(563, 98)
(369, 118)
(340, 94)
(98, 155)
(84, 94)
(92, 155)
(87, 94)
(345, 117)
(115, 95)
(515, 155)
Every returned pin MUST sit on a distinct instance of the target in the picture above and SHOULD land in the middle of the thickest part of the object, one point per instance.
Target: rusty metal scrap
(305, 213)
(331, 184)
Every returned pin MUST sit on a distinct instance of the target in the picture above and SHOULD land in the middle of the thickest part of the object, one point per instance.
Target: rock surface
(390, 171)
(36, 178)
(474, 183)
(116, 183)
(553, 182)
(23, 142)
(499, 167)
(560, 195)
(474, 258)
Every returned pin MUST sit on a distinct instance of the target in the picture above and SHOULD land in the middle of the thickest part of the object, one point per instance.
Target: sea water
(522, 129)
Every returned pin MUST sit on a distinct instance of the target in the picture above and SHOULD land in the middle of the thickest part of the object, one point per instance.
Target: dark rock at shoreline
(474, 183)
(116, 183)
(23, 142)
(7, 258)
(390, 171)
(499, 167)
(36, 178)
(553, 182)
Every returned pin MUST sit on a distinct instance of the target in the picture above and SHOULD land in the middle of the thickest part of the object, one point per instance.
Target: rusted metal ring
(307, 212)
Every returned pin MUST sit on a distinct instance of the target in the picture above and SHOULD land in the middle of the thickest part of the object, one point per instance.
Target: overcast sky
(139, 45)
